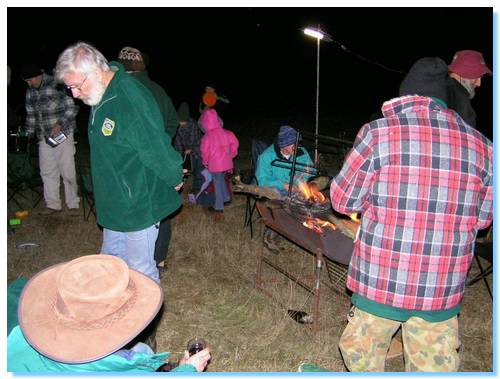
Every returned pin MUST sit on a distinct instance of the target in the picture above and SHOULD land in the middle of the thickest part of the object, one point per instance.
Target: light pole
(319, 35)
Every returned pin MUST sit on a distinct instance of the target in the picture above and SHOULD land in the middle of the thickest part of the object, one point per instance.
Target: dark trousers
(197, 168)
(163, 240)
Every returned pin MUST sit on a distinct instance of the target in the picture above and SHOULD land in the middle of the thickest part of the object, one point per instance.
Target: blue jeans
(221, 191)
(135, 248)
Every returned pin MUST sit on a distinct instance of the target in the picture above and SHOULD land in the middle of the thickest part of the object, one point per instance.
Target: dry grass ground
(209, 292)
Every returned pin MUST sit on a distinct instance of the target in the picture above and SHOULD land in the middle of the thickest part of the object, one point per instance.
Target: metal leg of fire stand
(319, 260)
(315, 291)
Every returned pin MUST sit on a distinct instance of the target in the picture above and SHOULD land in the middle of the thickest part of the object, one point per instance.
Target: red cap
(469, 64)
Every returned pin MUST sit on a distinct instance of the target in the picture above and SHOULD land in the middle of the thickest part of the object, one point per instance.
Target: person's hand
(187, 151)
(198, 360)
(179, 186)
(56, 129)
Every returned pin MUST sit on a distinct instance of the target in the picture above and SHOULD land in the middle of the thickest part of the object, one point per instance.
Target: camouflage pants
(428, 346)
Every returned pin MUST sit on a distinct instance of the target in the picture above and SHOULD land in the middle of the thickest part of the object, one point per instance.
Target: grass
(209, 292)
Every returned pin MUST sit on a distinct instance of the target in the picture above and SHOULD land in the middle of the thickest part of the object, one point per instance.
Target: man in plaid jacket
(423, 181)
(50, 112)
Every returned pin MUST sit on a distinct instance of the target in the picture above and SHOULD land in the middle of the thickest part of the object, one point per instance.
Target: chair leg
(483, 275)
(247, 211)
(12, 197)
(84, 200)
(252, 211)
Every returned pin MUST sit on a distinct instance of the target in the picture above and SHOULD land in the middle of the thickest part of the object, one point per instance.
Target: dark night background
(260, 58)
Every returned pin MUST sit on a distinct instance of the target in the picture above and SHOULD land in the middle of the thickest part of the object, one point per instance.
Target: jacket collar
(280, 156)
(110, 92)
(408, 104)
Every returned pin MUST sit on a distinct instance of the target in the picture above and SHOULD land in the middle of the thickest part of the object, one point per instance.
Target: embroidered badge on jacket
(107, 127)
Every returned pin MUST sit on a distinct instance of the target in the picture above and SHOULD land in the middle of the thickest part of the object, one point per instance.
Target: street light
(319, 35)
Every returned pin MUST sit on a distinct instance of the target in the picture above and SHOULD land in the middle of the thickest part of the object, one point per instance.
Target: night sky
(260, 58)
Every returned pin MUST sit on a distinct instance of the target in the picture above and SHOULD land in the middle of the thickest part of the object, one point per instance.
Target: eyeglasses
(77, 87)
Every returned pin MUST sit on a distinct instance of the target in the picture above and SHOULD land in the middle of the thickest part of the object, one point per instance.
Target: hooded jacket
(423, 180)
(218, 146)
(277, 176)
(134, 166)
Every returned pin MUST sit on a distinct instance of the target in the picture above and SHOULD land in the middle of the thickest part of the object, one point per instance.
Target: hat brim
(58, 341)
(470, 72)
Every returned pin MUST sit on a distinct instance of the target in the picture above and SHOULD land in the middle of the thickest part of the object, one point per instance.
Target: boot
(218, 216)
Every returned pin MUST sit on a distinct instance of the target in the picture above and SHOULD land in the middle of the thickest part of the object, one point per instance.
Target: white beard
(97, 93)
(469, 87)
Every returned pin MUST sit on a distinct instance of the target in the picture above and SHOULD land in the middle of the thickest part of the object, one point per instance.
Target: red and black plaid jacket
(423, 181)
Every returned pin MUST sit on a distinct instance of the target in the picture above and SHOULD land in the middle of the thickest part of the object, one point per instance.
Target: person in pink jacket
(218, 148)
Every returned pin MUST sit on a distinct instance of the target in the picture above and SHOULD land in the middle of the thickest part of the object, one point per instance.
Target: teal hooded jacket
(134, 166)
(271, 176)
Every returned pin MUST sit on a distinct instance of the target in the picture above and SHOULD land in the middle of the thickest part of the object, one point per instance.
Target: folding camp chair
(484, 249)
(87, 192)
(258, 146)
(22, 176)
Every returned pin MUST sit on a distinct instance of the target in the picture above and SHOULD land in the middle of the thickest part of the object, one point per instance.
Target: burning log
(307, 204)
(319, 183)
(259, 191)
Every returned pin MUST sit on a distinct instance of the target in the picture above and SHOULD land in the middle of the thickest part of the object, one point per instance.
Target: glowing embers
(318, 225)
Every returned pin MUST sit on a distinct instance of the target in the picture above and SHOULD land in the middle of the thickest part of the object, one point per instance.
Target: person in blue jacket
(84, 316)
(277, 175)
(274, 169)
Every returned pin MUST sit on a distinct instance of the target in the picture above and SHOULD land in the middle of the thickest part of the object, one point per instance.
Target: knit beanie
(427, 77)
(30, 70)
(183, 112)
(131, 59)
(287, 136)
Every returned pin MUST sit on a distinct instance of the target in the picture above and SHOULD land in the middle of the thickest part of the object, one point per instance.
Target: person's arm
(265, 172)
(172, 119)
(179, 141)
(30, 116)
(70, 109)
(485, 216)
(350, 188)
(147, 135)
(205, 151)
(305, 159)
(235, 146)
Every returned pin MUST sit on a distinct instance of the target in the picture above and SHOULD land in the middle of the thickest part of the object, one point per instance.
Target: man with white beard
(135, 170)
(466, 71)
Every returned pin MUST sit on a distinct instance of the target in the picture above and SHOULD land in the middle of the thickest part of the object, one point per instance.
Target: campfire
(309, 201)
(309, 205)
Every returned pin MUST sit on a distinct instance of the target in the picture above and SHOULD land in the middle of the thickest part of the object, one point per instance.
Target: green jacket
(167, 109)
(134, 166)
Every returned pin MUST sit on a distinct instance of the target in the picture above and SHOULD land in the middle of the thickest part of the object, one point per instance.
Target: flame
(355, 217)
(311, 192)
(318, 224)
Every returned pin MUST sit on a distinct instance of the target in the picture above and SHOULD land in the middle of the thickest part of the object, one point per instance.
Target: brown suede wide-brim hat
(87, 308)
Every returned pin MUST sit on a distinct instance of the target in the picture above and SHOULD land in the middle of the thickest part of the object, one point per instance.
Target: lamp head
(317, 33)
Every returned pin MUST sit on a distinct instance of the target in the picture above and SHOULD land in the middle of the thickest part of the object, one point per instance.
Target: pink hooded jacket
(218, 146)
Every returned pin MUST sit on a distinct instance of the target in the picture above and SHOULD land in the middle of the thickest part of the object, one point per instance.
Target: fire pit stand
(332, 244)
